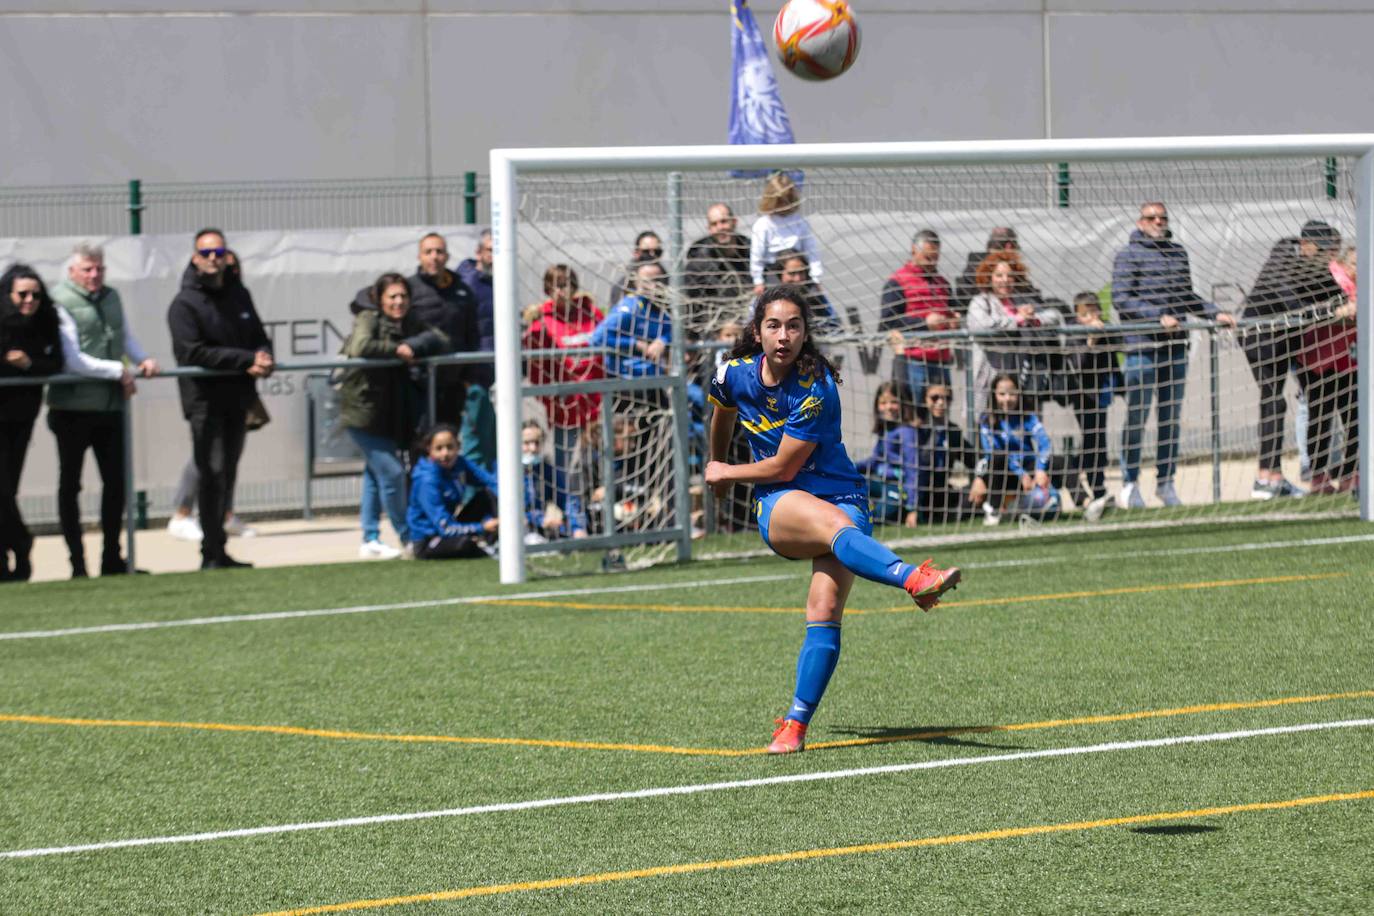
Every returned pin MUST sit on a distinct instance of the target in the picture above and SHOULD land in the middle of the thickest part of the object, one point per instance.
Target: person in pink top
(1327, 369)
(565, 321)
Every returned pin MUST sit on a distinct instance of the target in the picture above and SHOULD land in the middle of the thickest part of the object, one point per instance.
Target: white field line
(691, 789)
(572, 592)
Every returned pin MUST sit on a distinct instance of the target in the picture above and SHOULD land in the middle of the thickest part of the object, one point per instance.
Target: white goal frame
(507, 165)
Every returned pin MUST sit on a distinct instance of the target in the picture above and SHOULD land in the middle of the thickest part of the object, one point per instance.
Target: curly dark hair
(810, 361)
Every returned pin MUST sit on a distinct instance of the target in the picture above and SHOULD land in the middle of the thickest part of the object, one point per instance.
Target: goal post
(865, 199)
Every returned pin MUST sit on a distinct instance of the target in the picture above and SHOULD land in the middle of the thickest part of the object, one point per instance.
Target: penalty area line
(802, 855)
(689, 789)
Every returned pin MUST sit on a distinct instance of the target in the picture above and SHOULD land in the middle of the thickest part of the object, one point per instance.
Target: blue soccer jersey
(805, 407)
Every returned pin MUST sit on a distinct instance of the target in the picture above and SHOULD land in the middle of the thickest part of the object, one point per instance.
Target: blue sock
(820, 652)
(863, 556)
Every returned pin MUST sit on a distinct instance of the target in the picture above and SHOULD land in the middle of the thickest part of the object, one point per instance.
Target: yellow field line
(834, 852)
(850, 612)
(681, 751)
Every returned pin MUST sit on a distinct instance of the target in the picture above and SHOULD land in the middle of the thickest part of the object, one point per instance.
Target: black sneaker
(225, 562)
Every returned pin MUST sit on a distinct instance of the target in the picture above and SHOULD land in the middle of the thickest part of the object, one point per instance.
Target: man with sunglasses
(214, 325)
(648, 247)
(1152, 282)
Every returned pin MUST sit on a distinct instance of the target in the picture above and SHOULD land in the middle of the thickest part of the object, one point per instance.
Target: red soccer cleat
(788, 738)
(926, 584)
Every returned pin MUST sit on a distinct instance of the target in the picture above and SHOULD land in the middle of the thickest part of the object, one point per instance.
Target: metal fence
(169, 207)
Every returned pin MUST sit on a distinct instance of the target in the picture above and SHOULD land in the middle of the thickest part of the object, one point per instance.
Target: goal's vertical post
(1364, 335)
(677, 366)
(511, 504)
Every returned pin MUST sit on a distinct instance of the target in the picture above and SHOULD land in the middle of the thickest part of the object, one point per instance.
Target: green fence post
(1063, 182)
(135, 207)
(1331, 173)
(470, 196)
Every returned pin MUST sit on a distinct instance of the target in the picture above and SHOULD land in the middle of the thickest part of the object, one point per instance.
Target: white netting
(1250, 414)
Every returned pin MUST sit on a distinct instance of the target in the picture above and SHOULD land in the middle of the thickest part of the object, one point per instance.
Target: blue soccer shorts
(855, 505)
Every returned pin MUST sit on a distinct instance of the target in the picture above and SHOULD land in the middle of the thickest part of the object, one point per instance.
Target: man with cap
(1295, 279)
(1152, 282)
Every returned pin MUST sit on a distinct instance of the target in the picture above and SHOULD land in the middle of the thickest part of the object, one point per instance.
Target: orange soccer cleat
(926, 584)
(788, 738)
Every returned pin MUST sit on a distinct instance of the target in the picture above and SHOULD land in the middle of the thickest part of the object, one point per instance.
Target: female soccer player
(809, 501)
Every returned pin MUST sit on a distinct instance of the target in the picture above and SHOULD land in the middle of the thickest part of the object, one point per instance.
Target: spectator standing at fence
(1002, 238)
(638, 329)
(30, 347)
(441, 300)
(479, 417)
(1294, 284)
(97, 339)
(1327, 361)
(779, 227)
(716, 282)
(183, 525)
(1152, 282)
(794, 268)
(1016, 321)
(381, 408)
(565, 321)
(1092, 360)
(648, 247)
(214, 325)
(916, 298)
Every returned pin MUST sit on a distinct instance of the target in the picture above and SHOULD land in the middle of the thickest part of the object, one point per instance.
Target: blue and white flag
(756, 112)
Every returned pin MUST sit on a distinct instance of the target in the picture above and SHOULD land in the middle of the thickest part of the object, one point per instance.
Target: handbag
(256, 416)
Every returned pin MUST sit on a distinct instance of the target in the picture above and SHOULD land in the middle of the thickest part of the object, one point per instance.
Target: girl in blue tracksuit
(441, 524)
(893, 469)
(1016, 455)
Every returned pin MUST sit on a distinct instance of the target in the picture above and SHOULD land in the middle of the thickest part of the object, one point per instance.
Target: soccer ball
(816, 39)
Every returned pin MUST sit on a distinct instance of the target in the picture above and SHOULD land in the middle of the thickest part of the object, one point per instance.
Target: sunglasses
(1156, 218)
(211, 252)
(937, 397)
(23, 295)
(651, 252)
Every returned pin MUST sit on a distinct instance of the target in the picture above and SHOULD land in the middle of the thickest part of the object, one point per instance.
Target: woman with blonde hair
(780, 227)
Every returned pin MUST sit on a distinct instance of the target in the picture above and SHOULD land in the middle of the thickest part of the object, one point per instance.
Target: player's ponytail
(810, 361)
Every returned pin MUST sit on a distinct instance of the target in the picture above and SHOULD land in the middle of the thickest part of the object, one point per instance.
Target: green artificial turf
(1140, 624)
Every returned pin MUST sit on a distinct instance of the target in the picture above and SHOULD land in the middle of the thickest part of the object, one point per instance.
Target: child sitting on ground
(441, 525)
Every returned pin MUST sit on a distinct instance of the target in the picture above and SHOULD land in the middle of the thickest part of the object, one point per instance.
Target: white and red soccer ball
(816, 39)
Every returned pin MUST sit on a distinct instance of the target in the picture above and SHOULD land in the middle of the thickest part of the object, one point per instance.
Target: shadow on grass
(943, 735)
(1175, 829)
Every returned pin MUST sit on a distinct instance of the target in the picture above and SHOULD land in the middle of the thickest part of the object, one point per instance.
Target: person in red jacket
(565, 321)
(1327, 365)
(917, 298)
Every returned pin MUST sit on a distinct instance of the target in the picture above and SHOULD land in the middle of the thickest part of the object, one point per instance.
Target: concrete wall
(293, 89)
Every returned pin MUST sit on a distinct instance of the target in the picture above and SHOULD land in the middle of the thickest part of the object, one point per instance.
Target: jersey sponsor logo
(810, 408)
(762, 424)
(772, 403)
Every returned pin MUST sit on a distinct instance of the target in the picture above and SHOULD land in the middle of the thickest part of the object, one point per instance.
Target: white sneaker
(1093, 509)
(990, 516)
(185, 528)
(1129, 497)
(376, 550)
(1165, 493)
(235, 527)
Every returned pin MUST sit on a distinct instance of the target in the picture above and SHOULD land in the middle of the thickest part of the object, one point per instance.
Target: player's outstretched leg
(873, 560)
(820, 652)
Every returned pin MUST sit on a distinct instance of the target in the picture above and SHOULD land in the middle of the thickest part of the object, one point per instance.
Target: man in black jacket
(215, 326)
(441, 299)
(1295, 278)
(716, 283)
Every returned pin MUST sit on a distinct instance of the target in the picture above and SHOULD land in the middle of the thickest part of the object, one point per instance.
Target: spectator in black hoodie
(30, 345)
(214, 325)
(1295, 279)
(440, 299)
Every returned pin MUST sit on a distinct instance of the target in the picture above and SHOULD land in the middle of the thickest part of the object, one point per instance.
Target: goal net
(1031, 339)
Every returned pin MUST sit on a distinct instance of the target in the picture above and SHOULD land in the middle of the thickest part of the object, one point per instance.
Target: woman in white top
(997, 307)
(779, 228)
